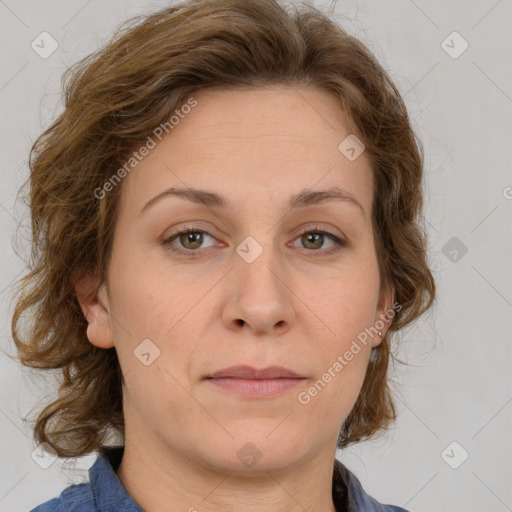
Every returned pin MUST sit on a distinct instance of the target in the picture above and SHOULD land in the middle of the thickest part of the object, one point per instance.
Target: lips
(249, 383)
(248, 372)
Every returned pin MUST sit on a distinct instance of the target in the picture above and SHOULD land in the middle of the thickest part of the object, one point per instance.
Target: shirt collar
(109, 493)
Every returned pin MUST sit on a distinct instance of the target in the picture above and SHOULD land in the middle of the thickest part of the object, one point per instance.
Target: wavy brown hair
(115, 98)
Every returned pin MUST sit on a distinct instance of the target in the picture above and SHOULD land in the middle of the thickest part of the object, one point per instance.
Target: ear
(385, 312)
(95, 308)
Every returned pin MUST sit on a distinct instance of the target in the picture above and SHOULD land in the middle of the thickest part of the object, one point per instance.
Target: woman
(226, 221)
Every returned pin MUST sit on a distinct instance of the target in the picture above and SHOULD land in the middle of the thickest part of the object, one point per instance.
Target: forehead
(269, 142)
(276, 115)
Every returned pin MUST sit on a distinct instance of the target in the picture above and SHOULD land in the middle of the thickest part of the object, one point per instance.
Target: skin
(301, 307)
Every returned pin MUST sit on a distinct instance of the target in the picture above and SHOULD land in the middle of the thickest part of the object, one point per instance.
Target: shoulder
(48, 506)
(75, 498)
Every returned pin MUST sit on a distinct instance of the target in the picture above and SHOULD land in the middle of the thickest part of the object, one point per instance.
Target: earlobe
(94, 305)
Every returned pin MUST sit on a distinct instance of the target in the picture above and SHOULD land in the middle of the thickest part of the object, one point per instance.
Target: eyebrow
(302, 199)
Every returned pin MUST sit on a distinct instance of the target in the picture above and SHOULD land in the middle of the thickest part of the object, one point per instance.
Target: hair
(113, 99)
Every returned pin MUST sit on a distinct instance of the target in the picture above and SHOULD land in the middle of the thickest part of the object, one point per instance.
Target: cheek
(346, 312)
(148, 304)
(342, 306)
(155, 322)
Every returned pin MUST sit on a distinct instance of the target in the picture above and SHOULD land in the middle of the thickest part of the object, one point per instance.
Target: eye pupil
(314, 237)
(194, 237)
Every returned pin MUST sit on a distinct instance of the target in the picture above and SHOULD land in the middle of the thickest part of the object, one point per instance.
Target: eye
(190, 238)
(314, 239)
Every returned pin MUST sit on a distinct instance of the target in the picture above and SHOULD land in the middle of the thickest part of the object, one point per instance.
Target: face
(266, 277)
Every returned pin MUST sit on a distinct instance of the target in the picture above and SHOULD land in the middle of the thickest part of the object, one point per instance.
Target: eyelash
(190, 229)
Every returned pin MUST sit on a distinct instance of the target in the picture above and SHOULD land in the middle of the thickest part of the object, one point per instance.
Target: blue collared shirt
(105, 493)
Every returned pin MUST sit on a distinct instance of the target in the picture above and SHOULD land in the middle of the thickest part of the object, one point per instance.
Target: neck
(179, 483)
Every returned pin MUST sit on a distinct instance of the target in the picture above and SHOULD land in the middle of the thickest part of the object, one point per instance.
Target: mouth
(249, 382)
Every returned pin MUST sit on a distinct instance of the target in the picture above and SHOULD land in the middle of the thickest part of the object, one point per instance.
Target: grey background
(458, 384)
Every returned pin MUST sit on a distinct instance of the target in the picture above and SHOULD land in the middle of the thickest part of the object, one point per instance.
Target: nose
(259, 297)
